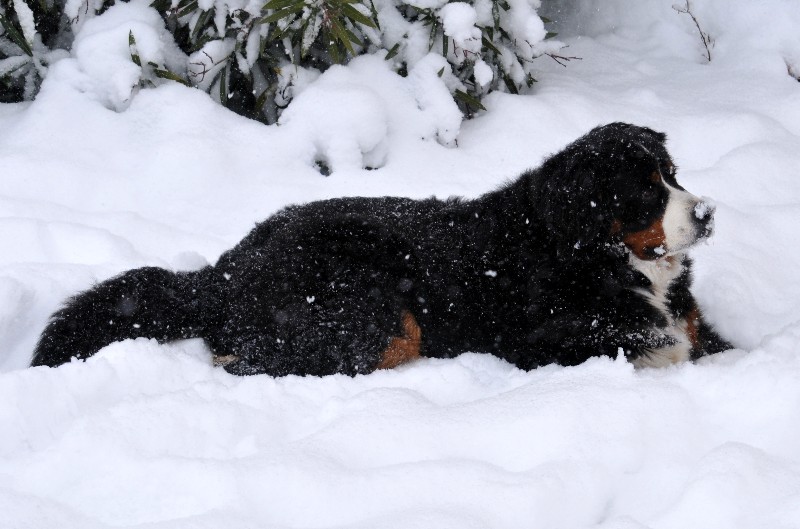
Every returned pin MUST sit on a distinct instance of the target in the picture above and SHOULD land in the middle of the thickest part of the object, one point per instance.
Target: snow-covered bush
(248, 54)
(32, 35)
(245, 51)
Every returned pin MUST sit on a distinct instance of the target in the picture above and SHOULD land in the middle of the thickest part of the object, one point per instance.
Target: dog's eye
(649, 194)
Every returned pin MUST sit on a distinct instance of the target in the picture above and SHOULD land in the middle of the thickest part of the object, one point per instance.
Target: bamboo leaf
(353, 37)
(277, 5)
(469, 100)
(356, 16)
(283, 13)
(13, 64)
(374, 12)
(202, 20)
(161, 5)
(550, 35)
(187, 8)
(223, 86)
(510, 85)
(333, 48)
(394, 51)
(132, 48)
(434, 30)
(15, 36)
(339, 34)
(310, 33)
(166, 74)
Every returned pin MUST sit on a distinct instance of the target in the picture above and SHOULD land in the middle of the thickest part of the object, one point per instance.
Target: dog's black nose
(704, 217)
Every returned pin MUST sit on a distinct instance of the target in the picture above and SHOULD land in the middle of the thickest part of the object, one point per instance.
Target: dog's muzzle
(703, 218)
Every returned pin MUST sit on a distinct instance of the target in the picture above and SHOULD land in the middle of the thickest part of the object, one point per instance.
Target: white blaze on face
(680, 226)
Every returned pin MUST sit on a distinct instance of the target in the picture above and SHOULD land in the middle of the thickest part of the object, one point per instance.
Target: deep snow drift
(145, 435)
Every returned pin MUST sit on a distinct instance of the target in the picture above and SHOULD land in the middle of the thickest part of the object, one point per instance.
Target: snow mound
(102, 52)
(349, 115)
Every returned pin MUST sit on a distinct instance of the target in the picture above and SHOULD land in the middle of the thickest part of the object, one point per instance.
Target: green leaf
(161, 5)
(202, 41)
(333, 47)
(166, 74)
(339, 33)
(187, 9)
(550, 35)
(310, 32)
(472, 102)
(15, 36)
(262, 99)
(223, 86)
(510, 85)
(434, 31)
(496, 15)
(202, 20)
(356, 16)
(283, 13)
(445, 42)
(392, 52)
(277, 5)
(374, 14)
(353, 37)
(134, 52)
(545, 20)
(440, 72)
(11, 66)
(488, 44)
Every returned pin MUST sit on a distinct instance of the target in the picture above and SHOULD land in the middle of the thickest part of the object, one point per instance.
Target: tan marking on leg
(643, 243)
(225, 360)
(404, 348)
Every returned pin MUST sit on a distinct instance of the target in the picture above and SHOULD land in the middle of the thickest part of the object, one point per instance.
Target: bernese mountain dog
(584, 256)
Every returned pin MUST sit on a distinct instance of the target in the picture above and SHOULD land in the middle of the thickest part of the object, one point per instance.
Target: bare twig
(708, 42)
(563, 59)
(205, 70)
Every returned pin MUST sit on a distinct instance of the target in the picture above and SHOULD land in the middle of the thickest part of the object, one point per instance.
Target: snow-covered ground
(147, 435)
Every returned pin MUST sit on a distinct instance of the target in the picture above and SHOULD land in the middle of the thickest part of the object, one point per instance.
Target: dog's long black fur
(535, 272)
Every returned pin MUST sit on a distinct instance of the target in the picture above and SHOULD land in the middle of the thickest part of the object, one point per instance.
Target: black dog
(581, 257)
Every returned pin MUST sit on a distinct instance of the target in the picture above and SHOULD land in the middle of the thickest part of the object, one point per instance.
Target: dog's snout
(704, 218)
(704, 211)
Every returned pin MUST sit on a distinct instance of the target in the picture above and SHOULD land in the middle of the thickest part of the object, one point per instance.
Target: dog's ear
(571, 205)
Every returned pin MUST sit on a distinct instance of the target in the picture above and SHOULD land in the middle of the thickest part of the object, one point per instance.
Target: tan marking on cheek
(655, 177)
(404, 348)
(643, 243)
(692, 324)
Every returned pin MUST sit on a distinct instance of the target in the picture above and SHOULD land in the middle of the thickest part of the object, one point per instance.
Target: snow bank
(102, 52)
(350, 115)
(145, 435)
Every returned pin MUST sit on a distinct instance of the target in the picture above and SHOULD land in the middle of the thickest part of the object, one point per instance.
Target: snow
(102, 53)
(459, 20)
(148, 435)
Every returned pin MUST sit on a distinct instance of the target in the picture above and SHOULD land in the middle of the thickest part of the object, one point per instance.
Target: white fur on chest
(661, 273)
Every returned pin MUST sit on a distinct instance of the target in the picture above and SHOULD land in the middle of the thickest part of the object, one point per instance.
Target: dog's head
(617, 185)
